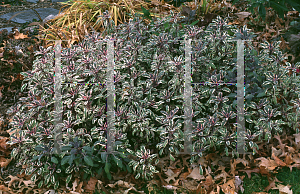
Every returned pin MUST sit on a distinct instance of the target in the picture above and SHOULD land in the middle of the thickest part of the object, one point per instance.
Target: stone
(29, 15)
(49, 17)
(36, 1)
(9, 29)
(59, 1)
(32, 1)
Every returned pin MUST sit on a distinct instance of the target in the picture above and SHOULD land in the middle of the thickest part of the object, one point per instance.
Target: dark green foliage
(280, 6)
(177, 3)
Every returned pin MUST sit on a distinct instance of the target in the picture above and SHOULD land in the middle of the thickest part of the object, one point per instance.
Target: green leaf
(109, 176)
(161, 151)
(118, 161)
(128, 169)
(88, 149)
(146, 13)
(254, 151)
(107, 167)
(53, 179)
(72, 157)
(226, 90)
(262, 11)
(233, 95)
(137, 176)
(234, 2)
(33, 178)
(88, 160)
(293, 4)
(65, 160)
(251, 144)
(249, 96)
(23, 87)
(69, 178)
(54, 160)
(66, 148)
(69, 170)
(171, 149)
(56, 185)
(40, 171)
(47, 178)
(135, 165)
(39, 148)
(35, 158)
(200, 170)
(85, 176)
(166, 26)
(195, 22)
(103, 157)
(40, 184)
(279, 8)
(172, 158)
(122, 155)
(261, 95)
(165, 143)
(99, 170)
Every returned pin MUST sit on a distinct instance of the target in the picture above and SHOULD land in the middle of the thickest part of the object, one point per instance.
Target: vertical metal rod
(110, 97)
(240, 97)
(187, 98)
(57, 134)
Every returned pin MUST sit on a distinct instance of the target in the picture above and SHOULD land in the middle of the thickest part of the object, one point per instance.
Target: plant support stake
(110, 97)
(57, 133)
(187, 97)
(240, 97)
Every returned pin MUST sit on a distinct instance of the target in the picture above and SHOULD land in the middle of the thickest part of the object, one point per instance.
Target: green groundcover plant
(149, 85)
(281, 7)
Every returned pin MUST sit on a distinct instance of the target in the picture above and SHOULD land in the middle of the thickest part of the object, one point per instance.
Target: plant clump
(149, 106)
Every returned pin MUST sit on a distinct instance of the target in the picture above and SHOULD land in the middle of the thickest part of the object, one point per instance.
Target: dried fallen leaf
(171, 175)
(288, 159)
(195, 174)
(91, 184)
(4, 162)
(208, 182)
(249, 171)
(243, 15)
(278, 161)
(13, 179)
(3, 188)
(297, 137)
(284, 189)
(3, 144)
(229, 187)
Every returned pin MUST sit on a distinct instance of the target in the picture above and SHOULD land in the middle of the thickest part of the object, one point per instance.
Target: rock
(9, 29)
(36, 1)
(29, 15)
(49, 17)
(59, 1)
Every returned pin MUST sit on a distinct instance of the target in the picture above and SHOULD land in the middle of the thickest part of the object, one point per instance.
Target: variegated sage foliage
(273, 94)
(149, 85)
